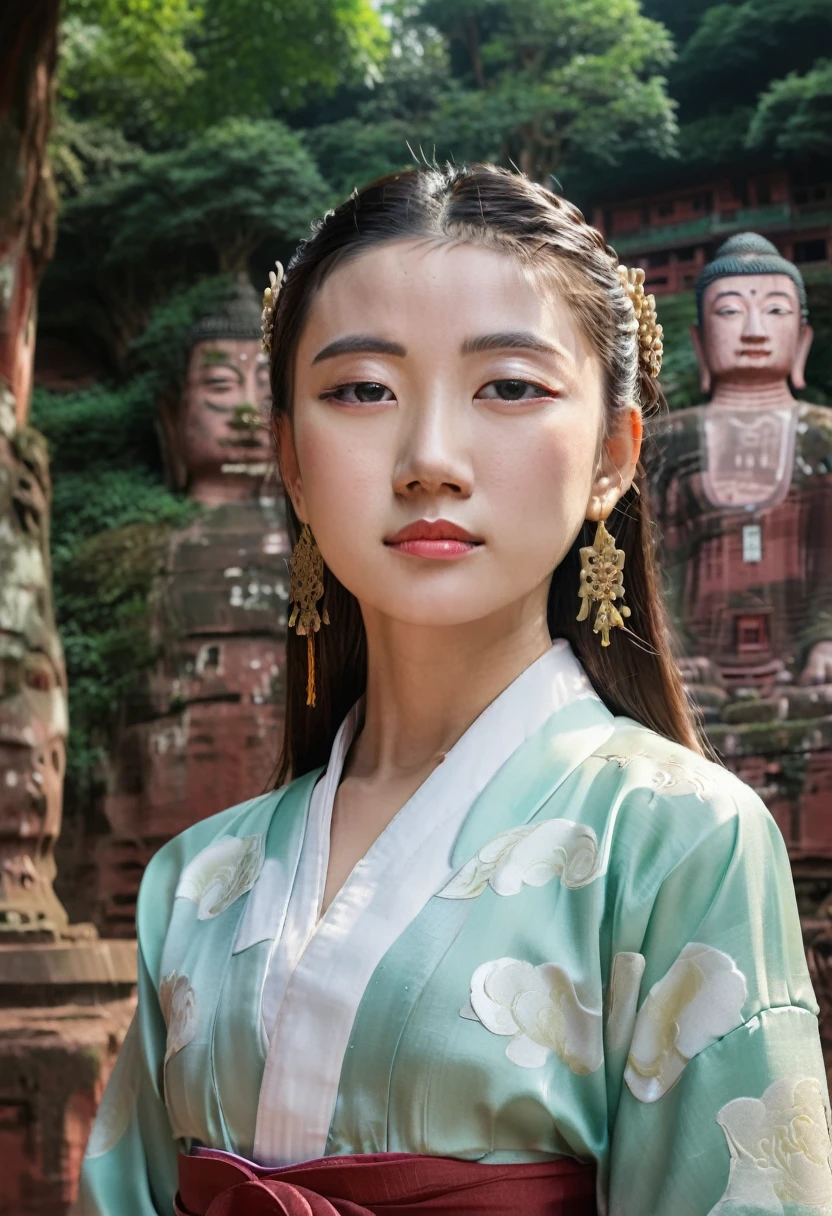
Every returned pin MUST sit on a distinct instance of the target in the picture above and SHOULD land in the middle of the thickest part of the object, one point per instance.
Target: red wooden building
(673, 234)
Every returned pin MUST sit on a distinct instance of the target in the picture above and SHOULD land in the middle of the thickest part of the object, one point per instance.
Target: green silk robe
(612, 969)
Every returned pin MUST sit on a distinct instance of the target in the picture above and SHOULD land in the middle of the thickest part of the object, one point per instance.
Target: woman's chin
(429, 610)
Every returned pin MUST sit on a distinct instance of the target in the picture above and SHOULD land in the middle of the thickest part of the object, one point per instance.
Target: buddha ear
(699, 348)
(801, 354)
(168, 410)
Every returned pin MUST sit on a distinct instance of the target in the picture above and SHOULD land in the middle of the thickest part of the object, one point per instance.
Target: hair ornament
(270, 304)
(649, 332)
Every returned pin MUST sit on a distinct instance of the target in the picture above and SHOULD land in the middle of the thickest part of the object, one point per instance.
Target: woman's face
(446, 444)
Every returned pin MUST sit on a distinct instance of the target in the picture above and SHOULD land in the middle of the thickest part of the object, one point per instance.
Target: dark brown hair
(488, 206)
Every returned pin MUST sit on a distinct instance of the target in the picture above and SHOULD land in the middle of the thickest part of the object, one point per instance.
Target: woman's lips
(437, 538)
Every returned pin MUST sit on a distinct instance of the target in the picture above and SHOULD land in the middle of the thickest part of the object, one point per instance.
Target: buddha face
(752, 330)
(224, 423)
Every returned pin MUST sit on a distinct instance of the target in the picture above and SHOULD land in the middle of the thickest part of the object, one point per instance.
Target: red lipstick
(436, 538)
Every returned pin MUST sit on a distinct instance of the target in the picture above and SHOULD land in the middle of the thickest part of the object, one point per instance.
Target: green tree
(261, 57)
(543, 84)
(132, 237)
(732, 57)
(156, 65)
(738, 50)
(794, 115)
(557, 81)
(127, 59)
(233, 187)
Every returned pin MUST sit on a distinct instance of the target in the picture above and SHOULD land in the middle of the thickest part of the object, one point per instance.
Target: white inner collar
(319, 968)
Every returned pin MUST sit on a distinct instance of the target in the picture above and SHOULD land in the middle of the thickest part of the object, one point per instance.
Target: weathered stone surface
(33, 711)
(207, 732)
(54, 1064)
(743, 496)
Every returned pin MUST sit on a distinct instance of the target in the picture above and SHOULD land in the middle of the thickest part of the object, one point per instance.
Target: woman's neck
(426, 685)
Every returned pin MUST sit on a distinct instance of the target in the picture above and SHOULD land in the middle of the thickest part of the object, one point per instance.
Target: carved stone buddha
(218, 613)
(216, 438)
(744, 488)
(743, 498)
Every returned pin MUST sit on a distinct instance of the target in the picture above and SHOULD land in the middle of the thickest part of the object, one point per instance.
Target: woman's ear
(287, 459)
(620, 451)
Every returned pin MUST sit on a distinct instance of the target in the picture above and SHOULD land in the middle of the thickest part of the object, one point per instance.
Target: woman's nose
(434, 457)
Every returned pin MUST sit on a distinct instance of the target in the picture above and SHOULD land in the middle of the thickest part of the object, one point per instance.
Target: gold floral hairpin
(649, 332)
(270, 304)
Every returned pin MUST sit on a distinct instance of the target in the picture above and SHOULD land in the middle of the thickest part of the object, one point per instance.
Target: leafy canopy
(127, 58)
(183, 64)
(542, 84)
(794, 116)
(739, 49)
(233, 187)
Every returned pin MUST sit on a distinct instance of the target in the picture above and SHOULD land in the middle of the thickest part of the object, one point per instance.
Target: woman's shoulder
(666, 792)
(230, 844)
(202, 872)
(239, 829)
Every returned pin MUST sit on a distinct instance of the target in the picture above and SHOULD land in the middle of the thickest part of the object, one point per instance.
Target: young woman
(506, 941)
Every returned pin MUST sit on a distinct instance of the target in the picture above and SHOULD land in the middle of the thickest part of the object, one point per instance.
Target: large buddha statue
(744, 491)
(743, 500)
(213, 729)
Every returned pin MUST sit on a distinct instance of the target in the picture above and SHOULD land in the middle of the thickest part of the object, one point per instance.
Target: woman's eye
(514, 390)
(364, 392)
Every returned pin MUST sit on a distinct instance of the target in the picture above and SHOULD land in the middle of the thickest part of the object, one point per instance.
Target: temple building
(673, 234)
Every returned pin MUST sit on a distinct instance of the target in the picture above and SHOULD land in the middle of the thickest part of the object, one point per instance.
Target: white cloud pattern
(699, 1000)
(531, 856)
(780, 1151)
(178, 1001)
(221, 873)
(539, 1009)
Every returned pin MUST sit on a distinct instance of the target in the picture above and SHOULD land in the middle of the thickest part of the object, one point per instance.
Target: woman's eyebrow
(516, 339)
(360, 344)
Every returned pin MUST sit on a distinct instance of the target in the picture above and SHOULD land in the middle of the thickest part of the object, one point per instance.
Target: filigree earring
(602, 581)
(306, 586)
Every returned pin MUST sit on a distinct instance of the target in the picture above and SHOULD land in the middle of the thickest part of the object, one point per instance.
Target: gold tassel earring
(602, 580)
(306, 586)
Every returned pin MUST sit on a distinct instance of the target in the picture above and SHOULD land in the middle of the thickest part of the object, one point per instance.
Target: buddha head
(217, 440)
(753, 319)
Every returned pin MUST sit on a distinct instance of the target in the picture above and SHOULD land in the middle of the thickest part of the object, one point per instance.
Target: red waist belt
(213, 1183)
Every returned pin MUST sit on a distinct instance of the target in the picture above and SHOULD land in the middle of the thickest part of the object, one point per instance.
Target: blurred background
(156, 156)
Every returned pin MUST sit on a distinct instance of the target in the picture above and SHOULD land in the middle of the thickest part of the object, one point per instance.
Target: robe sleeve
(130, 1163)
(723, 1108)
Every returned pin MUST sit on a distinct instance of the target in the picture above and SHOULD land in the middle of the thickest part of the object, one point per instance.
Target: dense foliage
(196, 137)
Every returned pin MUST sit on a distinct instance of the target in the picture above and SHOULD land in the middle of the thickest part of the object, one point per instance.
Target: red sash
(213, 1183)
